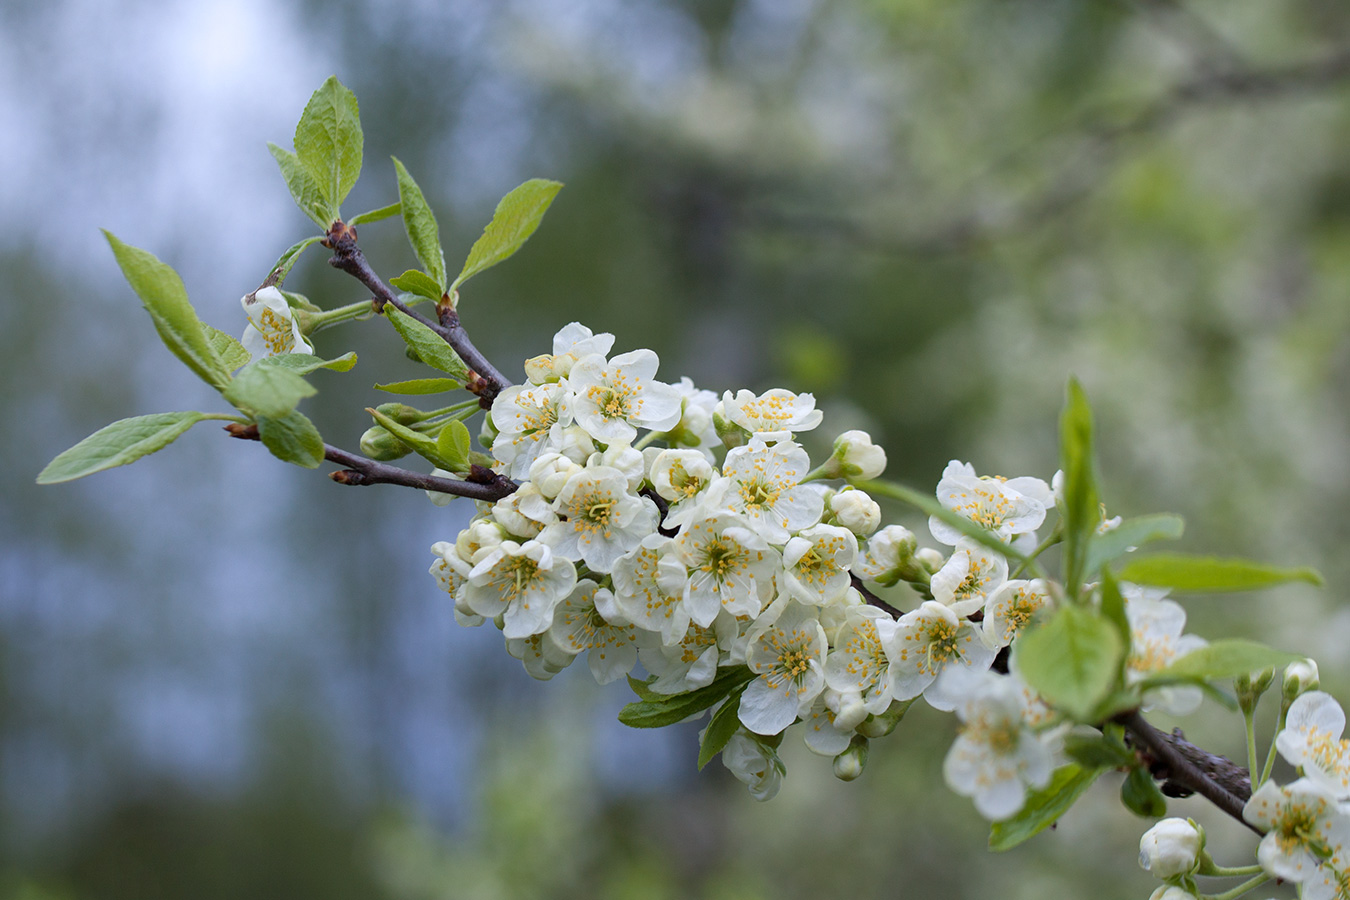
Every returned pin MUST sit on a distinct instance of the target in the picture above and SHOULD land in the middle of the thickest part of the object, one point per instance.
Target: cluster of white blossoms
(659, 525)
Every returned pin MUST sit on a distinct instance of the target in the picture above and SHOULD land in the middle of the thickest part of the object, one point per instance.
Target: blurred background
(223, 677)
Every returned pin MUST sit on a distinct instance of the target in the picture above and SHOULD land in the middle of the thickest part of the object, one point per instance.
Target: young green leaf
(1221, 659)
(515, 219)
(1044, 806)
(419, 386)
(678, 707)
(929, 504)
(304, 363)
(228, 350)
(1073, 660)
(423, 232)
(724, 723)
(288, 259)
(1208, 574)
(164, 297)
(419, 443)
(415, 281)
(328, 141)
(292, 438)
(1113, 607)
(427, 345)
(122, 442)
(1140, 795)
(644, 691)
(375, 215)
(1107, 546)
(304, 191)
(453, 445)
(267, 390)
(1082, 511)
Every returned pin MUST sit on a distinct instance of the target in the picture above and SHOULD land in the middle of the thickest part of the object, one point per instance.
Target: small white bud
(859, 457)
(550, 472)
(1170, 848)
(850, 764)
(856, 511)
(930, 559)
(1299, 678)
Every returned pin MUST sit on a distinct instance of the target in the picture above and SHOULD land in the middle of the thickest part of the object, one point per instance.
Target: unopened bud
(377, 443)
(858, 457)
(1299, 678)
(731, 434)
(930, 559)
(1171, 847)
(856, 511)
(850, 764)
(401, 413)
(1251, 685)
(882, 724)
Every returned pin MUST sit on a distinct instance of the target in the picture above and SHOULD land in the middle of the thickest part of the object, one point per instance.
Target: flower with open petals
(649, 588)
(1307, 836)
(858, 663)
(614, 399)
(692, 662)
(602, 521)
(775, 415)
(761, 482)
(816, 563)
(570, 344)
(272, 327)
(730, 567)
(1010, 608)
(526, 417)
(1311, 739)
(581, 625)
(786, 649)
(1007, 507)
(971, 574)
(927, 641)
(754, 765)
(523, 583)
(1156, 642)
(681, 477)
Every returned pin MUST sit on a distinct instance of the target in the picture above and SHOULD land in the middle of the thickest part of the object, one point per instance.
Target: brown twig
(872, 599)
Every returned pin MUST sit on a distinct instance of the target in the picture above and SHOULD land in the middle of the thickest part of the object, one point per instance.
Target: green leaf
(292, 438)
(288, 259)
(304, 191)
(122, 442)
(1113, 607)
(678, 707)
(1107, 546)
(423, 232)
(415, 281)
(1097, 751)
(643, 689)
(932, 507)
(419, 386)
(1208, 574)
(375, 215)
(1221, 659)
(725, 723)
(419, 443)
(267, 390)
(427, 344)
(164, 297)
(1140, 795)
(1072, 661)
(517, 216)
(304, 363)
(1043, 807)
(228, 350)
(328, 141)
(1082, 510)
(453, 445)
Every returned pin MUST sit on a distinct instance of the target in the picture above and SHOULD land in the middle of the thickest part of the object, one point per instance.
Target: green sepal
(415, 281)
(515, 219)
(288, 259)
(304, 191)
(292, 438)
(1107, 546)
(453, 445)
(166, 300)
(122, 442)
(328, 141)
(227, 348)
(678, 707)
(1207, 574)
(1043, 806)
(419, 386)
(932, 507)
(1082, 510)
(1140, 795)
(376, 215)
(1073, 660)
(427, 345)
(264, 389)
(1098, 751)
(423, 232)
(724, 723)
(1221, 659)
(419, 443)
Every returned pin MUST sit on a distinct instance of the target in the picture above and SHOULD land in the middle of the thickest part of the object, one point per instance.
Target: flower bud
(1171, 848)
(401, 413)
(1251, 685)
(889, 552)
(1299, 678)
(1171, 892)
(728, 432)
(858, 456)
(850, 764)
(377, 443)
(856, 511)
(882, 724)
(930, 559)
(550, 472)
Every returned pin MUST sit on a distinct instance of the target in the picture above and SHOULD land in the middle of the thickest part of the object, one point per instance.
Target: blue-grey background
(221, 676)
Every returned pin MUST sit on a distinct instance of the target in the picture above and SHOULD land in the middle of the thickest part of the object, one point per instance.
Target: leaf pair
(327, 158)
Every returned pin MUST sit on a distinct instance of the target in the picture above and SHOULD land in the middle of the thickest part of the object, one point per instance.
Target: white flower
(731, 568)
(1171, 892)
(692, 663)
(613, 399)
(1011, 607)
(856, 511)
(680, 477)
(524, 513)
(569, 345)
(481, 535)
(1156, 642)
(997, 756)
(695, 428)
(550, 472)
(761, 483)
(525, 418)
(786, 648)
(1306, 836)
(523, 582)
(624, 458)
(649, 588)
(452, 573)
(1170, 848)
(775, 415)
(971, 574)
(541, 657)
(1005, 507)
(603, 520)
(858, 662)
(823, 736)
(858, 456)
(580, 625)
(272, 327)
(1312, 740)
(927, 641)
(753, 764)
(1299, 677)
(816, 564)
(888, 552)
